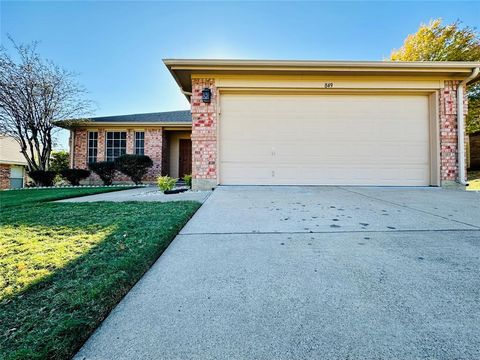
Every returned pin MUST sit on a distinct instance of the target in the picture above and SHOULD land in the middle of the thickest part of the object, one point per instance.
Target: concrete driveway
(309, 273)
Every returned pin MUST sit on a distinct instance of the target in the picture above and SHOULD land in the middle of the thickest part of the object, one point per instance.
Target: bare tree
(35, 92)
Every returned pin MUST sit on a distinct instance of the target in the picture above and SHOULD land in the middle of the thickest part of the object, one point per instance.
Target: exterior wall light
(206, 95)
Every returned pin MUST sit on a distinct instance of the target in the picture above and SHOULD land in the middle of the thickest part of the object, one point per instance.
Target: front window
(92, 146)
(116, 144)
(140, 143)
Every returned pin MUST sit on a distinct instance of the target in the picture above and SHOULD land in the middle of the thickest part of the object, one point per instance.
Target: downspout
(461, 127)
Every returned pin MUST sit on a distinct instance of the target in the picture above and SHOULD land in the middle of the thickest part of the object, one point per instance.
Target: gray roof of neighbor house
(164, 117)
(181, 117)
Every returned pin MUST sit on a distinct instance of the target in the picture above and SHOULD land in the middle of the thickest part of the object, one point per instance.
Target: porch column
(204, 136)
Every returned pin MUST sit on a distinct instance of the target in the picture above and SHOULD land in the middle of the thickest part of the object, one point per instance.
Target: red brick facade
(4, 176)
(448, 130)
(204, 135)
(204, 138)
(153, 148)
(204, 127)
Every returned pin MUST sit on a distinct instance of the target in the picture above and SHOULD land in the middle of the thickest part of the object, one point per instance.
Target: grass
(64, 266)
(27, 196)
(474, 180)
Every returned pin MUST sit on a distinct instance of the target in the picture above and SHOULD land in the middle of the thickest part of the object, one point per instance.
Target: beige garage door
(324, 139)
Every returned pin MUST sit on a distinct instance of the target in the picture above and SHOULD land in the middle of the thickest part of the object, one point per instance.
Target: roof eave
(90, 124)
(182, 69)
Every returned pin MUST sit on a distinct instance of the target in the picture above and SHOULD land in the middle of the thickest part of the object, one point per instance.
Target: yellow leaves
(437, 42)
(451, 42)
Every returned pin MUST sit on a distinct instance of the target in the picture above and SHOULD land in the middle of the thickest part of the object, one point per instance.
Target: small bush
(105, 171)
(59, 160)
(73, 176)
(166, 183)
(42, 177)
(188, 180)
(134, 166)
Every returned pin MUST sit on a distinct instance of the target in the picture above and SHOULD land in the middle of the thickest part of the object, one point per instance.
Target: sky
(117, 47)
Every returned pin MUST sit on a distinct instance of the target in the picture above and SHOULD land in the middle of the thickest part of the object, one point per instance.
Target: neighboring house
(163, 136)
(474, 148)
(12, 164)
(260, 122)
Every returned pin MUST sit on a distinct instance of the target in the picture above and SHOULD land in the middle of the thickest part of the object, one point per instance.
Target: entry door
(324, 139)
(185, 157)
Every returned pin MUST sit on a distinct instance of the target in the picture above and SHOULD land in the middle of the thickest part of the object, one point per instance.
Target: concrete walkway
(150, 193)
(309, 273)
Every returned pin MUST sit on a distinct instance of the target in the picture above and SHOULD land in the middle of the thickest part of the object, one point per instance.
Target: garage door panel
(324, 139)
(350, 153)
(255, 152)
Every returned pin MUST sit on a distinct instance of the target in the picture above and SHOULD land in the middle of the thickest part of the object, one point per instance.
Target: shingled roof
(182, 116)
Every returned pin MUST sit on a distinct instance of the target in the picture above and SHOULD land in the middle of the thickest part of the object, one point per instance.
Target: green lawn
(64, 266)
(28, 196)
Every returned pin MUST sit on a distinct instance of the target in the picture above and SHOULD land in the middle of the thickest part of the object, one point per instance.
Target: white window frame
(114, 148)
(90, 147)
(135, 140)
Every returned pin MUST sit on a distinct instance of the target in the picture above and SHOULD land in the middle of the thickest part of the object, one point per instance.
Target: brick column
(165, 154)
(204, 136)
(80, 149)
(101, 145)
(448, 132)
(153, 149)
(130, 140)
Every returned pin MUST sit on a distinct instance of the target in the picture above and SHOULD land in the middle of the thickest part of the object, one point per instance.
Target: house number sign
(328, 85)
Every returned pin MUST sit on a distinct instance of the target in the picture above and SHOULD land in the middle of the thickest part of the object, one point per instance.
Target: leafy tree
(59, 160)
(452, 42)
(35, 92)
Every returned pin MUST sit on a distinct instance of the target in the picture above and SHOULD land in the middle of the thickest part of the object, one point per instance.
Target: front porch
(177, 154)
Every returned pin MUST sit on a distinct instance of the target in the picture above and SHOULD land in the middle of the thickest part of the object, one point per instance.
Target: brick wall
(204, 135)
(4, 176)
(204, 138)
(448, 130)
(165, 153)
(80, 149)
(153, 148)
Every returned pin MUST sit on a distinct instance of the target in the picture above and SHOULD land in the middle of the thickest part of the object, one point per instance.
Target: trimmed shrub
(134, 166)
(59, 160)
(105, 171)
(166, 183)
(188, 180)
(42, 177)
(73, 176)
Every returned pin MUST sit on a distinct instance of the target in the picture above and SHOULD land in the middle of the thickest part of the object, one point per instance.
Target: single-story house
(256, 122)
(163, 136)
(12, 164)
